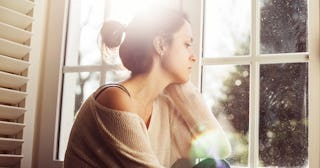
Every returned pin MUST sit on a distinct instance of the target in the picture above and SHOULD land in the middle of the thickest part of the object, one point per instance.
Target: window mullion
(254, 88)
(91, 68)
(103, 77)
(254, 116)
(314, 80)
(226, 60)
(283, 58)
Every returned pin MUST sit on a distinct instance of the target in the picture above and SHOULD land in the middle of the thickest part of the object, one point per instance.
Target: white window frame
(48, 113)
(312, 58)
(54, 50)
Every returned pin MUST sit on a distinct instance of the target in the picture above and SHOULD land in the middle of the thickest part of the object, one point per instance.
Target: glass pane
(124, 10)
(226, 90)
(85, 20)
(117, 76)
(283, 132)
(76, 88)
(120, 73)
(283, 26)
(226, 28)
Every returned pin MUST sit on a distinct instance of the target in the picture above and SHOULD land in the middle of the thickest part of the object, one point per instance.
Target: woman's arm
(209, 139)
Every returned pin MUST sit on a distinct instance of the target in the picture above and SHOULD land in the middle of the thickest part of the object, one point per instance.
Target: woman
(153, 118)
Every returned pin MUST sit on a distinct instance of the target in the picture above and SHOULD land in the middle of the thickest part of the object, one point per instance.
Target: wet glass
(227, 26)
(77, 87)
(283, 26)
(283, 128)
(226, 91)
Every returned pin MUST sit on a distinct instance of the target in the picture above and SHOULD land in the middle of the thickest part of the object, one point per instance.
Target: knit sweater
(104, 137)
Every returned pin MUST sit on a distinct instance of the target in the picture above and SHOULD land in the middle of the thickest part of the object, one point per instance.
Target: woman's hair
(135, 50)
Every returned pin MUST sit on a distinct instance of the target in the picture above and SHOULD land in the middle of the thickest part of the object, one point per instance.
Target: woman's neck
(144, 89)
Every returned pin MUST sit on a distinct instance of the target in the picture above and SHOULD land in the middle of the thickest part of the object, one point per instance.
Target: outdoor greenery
(283, 113)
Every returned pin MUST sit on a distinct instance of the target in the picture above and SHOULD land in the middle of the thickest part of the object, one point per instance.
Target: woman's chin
(182, 80)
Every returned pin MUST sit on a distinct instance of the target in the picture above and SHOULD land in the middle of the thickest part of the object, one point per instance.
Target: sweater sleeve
(208, 137)
(104, 137)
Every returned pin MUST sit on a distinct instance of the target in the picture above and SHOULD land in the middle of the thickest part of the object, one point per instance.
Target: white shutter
(16, 17)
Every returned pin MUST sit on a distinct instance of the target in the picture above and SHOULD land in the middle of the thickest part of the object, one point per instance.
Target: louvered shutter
(15, 32)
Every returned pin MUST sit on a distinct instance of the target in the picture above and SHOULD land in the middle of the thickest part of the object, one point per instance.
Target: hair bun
(111, 33)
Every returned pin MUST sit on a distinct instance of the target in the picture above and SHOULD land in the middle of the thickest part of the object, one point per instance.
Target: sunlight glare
(124, 10)
(208, 145)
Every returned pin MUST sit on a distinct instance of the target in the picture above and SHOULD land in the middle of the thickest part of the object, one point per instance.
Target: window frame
(54, 50)
(254, 60)
(48, 109)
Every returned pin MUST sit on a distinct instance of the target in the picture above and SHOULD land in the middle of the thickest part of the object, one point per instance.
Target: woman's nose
(193, 58)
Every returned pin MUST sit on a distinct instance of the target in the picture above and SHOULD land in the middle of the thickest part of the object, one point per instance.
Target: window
(255, 64)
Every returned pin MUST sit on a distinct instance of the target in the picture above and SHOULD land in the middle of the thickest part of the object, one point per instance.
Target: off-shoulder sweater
(108, 138)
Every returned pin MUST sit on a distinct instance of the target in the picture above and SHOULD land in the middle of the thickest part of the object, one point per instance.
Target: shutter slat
(11, 97)
(15, 39)
(12, 81)
(13, 49)
(12, 65)
(22, 6)
(11, 112)
(10, 144)
(7, 160)
(14, 18)
(10, 128)
(13, 33)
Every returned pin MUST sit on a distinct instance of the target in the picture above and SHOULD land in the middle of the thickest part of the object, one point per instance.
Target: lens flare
(209, 144)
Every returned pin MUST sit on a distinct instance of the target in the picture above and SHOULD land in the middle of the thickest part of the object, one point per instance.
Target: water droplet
(238, 82)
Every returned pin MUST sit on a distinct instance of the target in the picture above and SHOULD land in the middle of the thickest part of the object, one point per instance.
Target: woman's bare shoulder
(115, 98)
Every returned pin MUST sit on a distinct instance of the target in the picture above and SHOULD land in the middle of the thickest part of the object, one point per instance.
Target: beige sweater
(104, 137)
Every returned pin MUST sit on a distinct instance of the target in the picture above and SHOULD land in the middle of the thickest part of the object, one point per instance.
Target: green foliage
(283, 113)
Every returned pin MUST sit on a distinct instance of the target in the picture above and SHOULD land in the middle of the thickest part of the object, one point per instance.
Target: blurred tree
(234, 106)
(283, 26)
(283, 130)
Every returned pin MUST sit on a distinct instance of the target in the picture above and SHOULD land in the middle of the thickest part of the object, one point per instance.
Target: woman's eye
(187, 45)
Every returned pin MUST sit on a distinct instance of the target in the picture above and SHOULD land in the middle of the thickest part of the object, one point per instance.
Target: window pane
(87, 16)
(226, 90)
(124, 10)
(283, 26)
(119, 72)
(226, 28)
(283, 132)
(76, 88)
(117, 76)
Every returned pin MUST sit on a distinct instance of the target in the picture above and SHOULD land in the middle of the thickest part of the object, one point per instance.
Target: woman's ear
(159, 45)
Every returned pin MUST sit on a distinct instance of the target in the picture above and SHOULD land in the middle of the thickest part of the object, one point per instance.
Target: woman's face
(180, 57)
